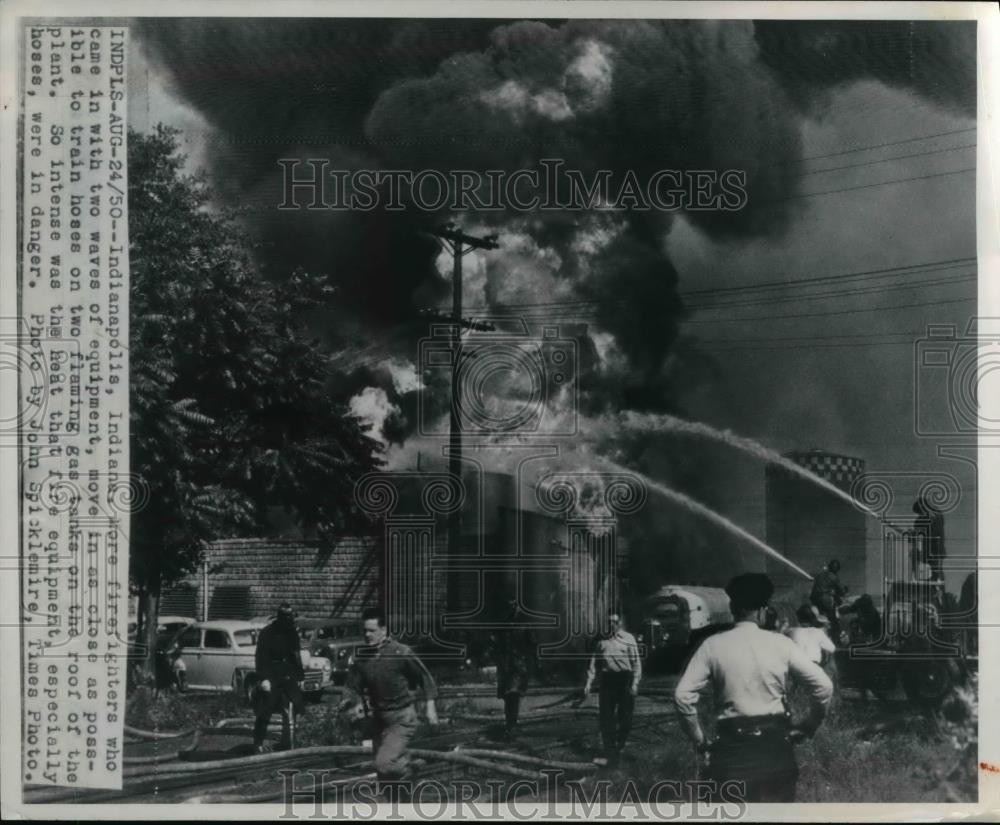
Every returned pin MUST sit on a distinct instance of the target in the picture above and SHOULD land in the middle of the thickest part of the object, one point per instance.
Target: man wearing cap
(279, 670)
(515, 648)
(748, 669)
(388, 672)
(616, 658)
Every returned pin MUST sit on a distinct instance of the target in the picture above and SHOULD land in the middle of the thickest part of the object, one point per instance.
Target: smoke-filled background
(792, 320)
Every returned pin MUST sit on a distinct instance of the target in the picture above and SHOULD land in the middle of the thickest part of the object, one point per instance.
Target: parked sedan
(336, 639)
(219, 655)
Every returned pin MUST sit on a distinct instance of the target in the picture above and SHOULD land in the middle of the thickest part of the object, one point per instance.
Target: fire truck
(916, 642)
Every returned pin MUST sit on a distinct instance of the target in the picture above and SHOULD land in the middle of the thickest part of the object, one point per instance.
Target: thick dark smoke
(936, 60)
(628, 96)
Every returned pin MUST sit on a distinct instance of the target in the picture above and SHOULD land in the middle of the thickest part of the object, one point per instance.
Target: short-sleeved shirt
(617, 653)
(389, 673)
(748, 669)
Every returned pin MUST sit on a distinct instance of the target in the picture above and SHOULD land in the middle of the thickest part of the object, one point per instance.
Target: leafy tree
(231, 408)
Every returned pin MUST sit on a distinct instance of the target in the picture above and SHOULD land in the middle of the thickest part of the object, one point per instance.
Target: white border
(988, 250)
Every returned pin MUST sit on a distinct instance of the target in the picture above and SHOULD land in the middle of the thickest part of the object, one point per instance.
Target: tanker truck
(676, 617)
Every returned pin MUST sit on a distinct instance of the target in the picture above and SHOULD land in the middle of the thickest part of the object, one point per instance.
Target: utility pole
(459, 244)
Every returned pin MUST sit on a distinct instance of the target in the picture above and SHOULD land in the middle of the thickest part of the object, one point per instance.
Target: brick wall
(317, 579)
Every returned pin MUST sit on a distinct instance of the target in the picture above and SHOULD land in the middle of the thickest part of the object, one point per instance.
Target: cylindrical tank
(811, 525)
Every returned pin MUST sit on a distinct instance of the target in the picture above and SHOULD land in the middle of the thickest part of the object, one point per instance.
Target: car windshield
(245, 638)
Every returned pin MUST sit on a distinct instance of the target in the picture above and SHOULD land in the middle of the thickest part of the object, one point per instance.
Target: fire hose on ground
(470, 758)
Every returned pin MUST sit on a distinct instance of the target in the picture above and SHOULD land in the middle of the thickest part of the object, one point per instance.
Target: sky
(888, 110)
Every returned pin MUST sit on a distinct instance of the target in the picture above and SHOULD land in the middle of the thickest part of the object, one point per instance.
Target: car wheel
(245, 686)
(927, 683)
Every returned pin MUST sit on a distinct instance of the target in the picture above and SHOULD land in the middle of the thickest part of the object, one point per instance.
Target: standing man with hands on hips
(748, 669)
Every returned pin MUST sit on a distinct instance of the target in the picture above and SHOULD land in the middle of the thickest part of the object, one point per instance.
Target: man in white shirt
(748, 669)
(616, 658)
(811, 636)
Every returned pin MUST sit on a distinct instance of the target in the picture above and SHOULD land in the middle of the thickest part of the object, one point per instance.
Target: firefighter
(828, 594)
(616, 658)
(515, 651)
(929, 524)
(279, 672)
(388, 671)
(748, 669)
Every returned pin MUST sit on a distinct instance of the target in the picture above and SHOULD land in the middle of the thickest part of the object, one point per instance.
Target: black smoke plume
(628, 96)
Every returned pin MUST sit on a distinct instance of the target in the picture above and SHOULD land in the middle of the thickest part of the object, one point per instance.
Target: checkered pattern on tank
(841, 470)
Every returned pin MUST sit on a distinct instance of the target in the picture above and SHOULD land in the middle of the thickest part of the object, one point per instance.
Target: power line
(583, 314)
(580, 318)
(786, 348)
(889, 160)
(870, 146)
(868, 274)
(834, 312)
(869, 185)
(948, 263)
(843, 293)
(911, 336)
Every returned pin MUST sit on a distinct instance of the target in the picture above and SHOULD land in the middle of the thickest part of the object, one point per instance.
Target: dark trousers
(616, 704)
(272, 701)
(511, 710)
(757, 752)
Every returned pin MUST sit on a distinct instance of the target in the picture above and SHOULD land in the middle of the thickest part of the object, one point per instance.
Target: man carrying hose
(616, 658)
(388, 672)
(748, 669)
(279, 672)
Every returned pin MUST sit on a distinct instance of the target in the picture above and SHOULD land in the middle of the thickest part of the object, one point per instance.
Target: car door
(219, 658)
(191, 655)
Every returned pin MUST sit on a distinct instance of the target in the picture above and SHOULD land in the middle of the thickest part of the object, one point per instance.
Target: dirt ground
(866, 751)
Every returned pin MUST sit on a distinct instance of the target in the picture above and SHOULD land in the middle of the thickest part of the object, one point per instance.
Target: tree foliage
(231, 408)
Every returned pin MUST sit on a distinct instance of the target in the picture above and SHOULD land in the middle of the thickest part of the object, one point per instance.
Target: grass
(172, 711)
(864, 752)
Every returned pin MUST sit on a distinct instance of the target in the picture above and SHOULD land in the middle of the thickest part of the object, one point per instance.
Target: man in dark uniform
(748, 669)
(279, 672)
(388, 672)
(616, 659)
(828, 594)
(515, 648)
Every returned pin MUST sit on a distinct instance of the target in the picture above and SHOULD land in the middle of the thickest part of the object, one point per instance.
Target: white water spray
(700, 509)
(649, 422)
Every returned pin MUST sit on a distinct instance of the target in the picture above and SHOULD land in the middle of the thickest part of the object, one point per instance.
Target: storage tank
(811, 525)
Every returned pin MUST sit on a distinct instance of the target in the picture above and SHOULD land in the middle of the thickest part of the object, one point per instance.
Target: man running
(388, 671)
